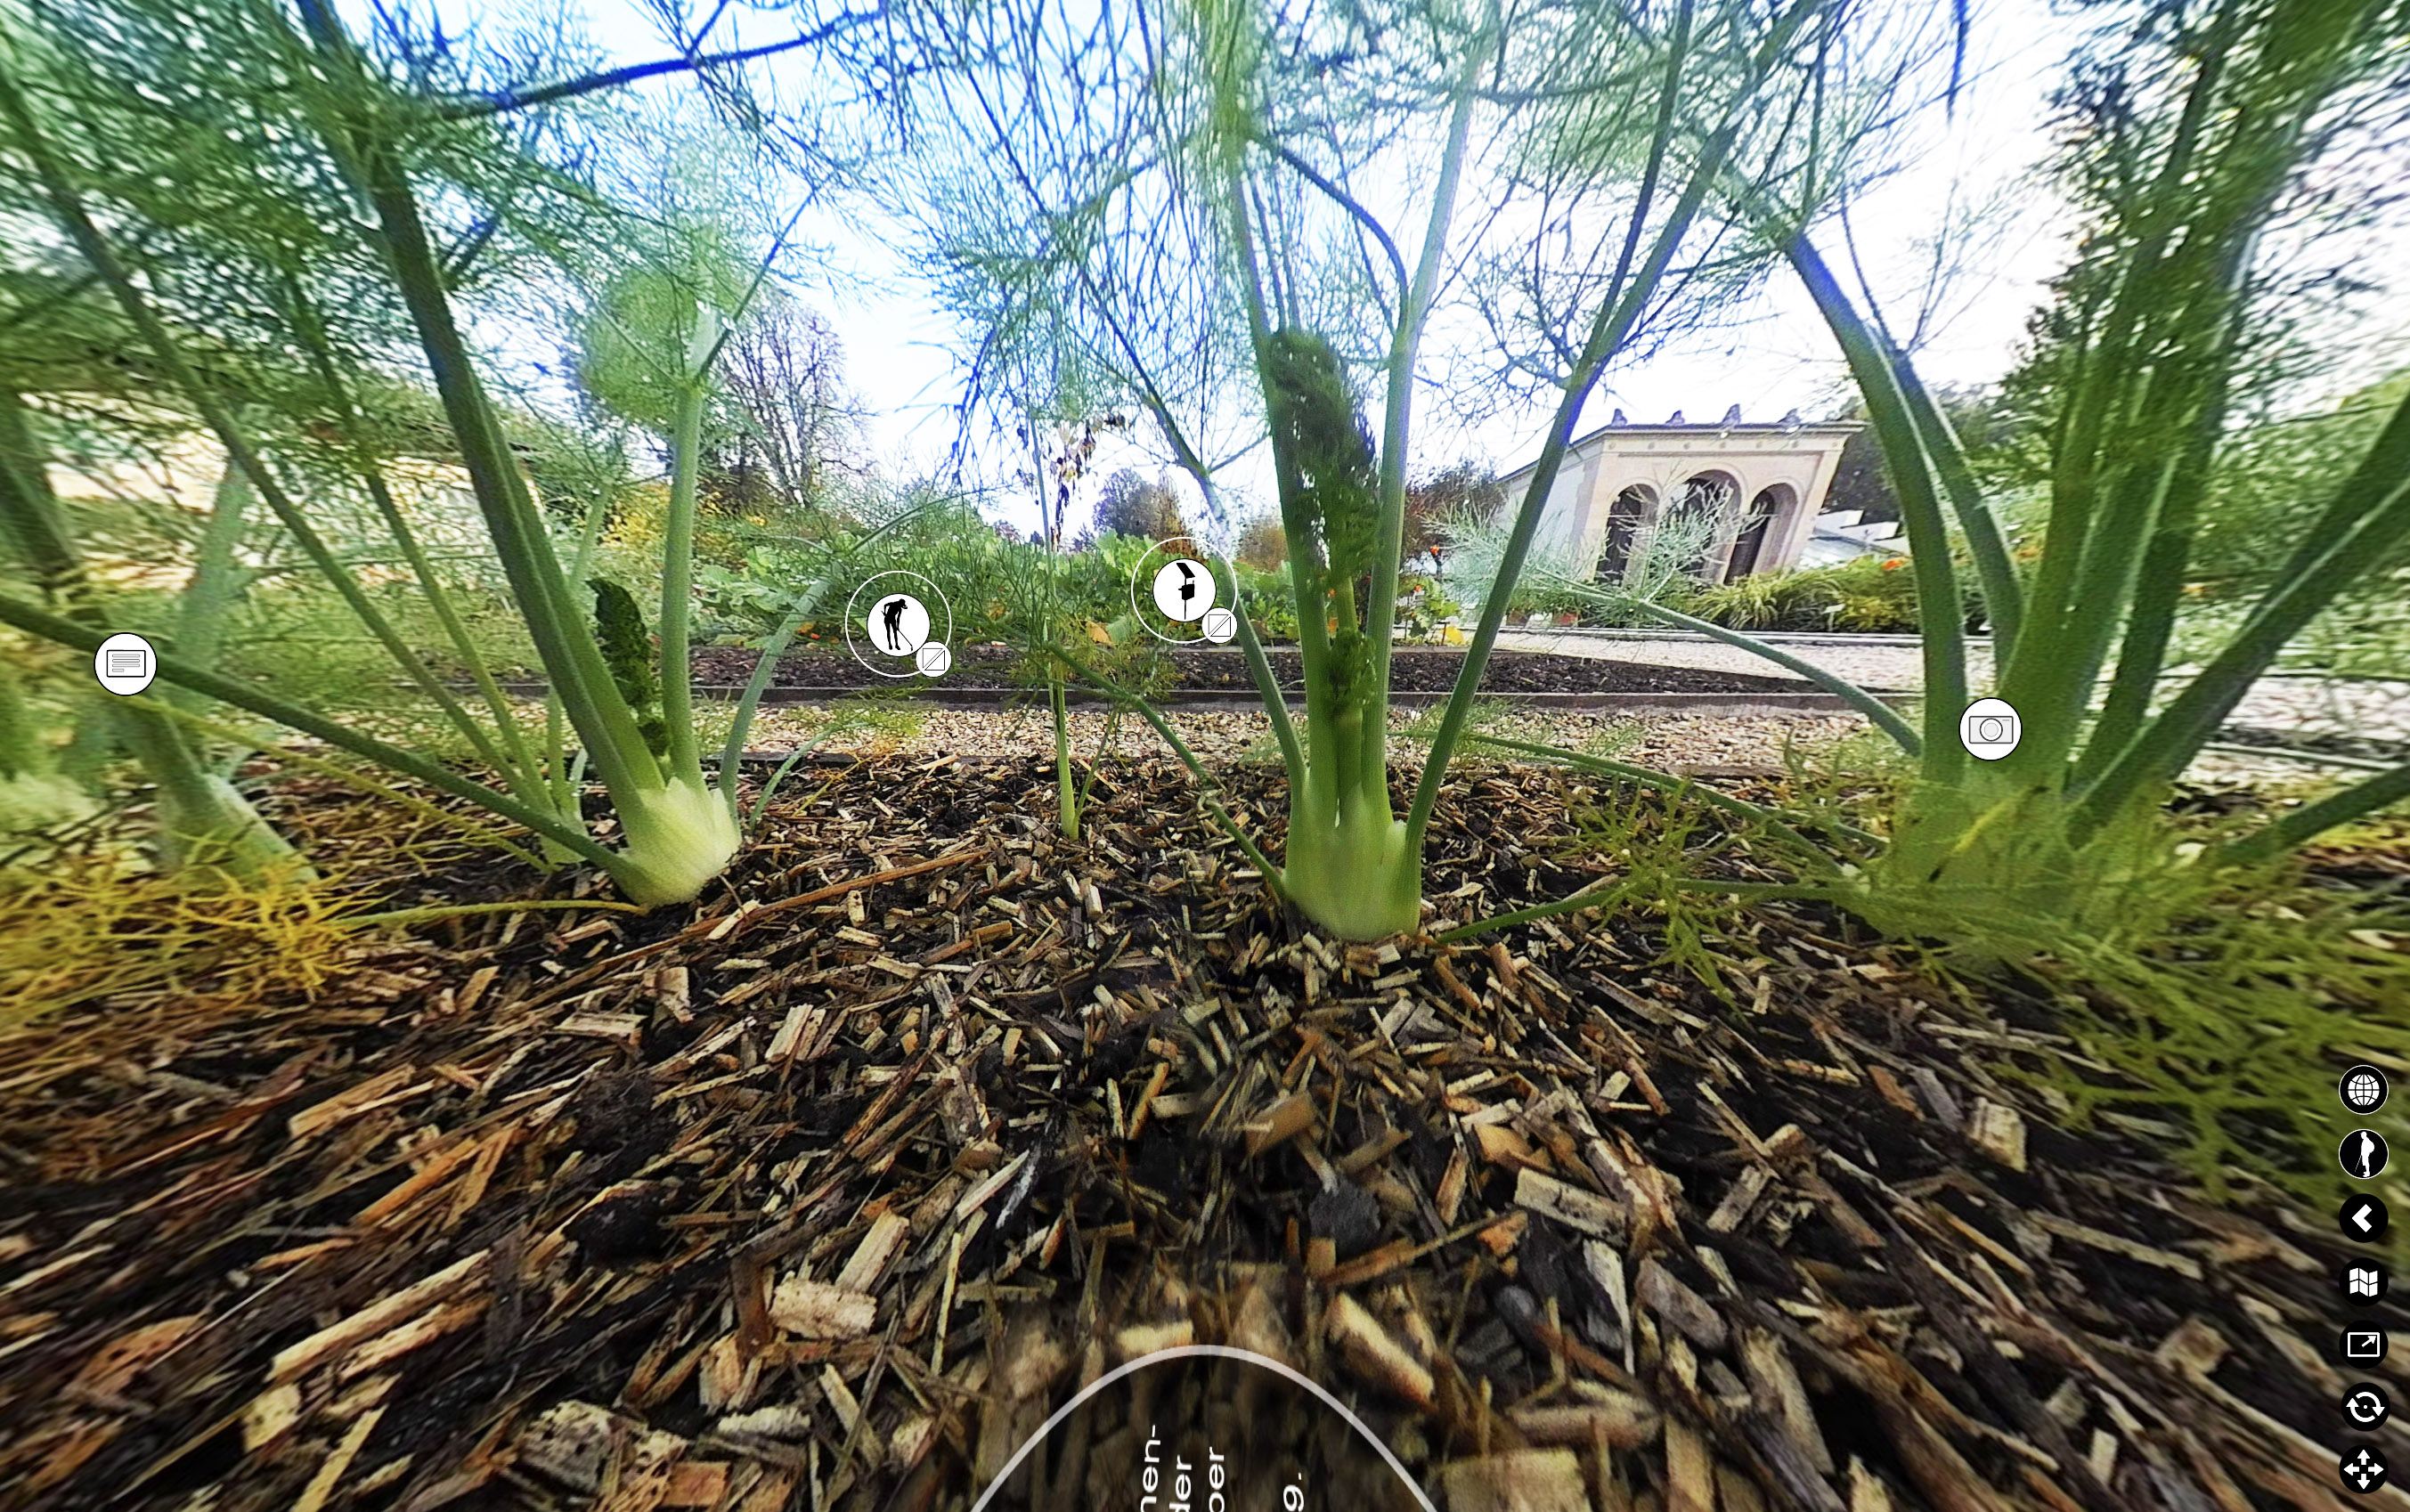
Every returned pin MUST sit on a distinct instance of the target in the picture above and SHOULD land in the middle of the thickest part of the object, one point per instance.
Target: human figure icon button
(2362, 1217)
(1184, 589)
(2363, 1284)
(2362, 1154)
(1220, 625)
(2362, 1089)
(2363, 1469)
(1989, 729)
(2366, 1406)
(126, 664)
(898, 624)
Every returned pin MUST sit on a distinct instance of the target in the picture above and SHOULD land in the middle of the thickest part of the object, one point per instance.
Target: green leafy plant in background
(1556, 579)
(1866, 593)
(207, 829)
(36, 794)
(2146, 338)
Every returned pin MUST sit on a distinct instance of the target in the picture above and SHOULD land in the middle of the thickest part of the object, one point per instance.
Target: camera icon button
(1989, 729)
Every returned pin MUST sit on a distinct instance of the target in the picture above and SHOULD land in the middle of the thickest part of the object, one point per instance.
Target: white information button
(126, 664)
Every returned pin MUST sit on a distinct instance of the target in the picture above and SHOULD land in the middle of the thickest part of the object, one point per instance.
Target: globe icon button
(2363, 1089)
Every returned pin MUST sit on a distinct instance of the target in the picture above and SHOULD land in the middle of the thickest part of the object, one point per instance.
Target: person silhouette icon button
(2362, 1154)
(898, 624)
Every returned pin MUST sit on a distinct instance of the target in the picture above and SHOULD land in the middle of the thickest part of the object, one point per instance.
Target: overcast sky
(900, 357)
(900, 351)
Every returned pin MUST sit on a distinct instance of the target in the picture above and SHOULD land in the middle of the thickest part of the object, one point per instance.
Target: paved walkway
(2372, 710)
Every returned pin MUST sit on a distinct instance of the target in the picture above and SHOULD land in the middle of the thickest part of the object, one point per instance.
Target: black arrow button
(2363, 1218)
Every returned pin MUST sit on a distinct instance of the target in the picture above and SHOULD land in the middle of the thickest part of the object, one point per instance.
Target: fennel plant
(329, 139)
(2234, 121)
(1132, 188)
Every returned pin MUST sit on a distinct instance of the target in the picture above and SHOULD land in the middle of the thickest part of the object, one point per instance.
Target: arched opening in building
(1749, 546)
(1691, 531)
(1625, 520)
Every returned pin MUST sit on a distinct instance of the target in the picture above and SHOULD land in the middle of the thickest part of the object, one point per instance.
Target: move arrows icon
(2363, 1217)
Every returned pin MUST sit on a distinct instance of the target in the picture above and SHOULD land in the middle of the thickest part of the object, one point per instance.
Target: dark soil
(1411, 670)
(923, 1116)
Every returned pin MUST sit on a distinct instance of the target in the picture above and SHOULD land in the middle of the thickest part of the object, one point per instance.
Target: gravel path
(2302, 706)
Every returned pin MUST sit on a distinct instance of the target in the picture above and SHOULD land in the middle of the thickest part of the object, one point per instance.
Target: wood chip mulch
(824, 1191)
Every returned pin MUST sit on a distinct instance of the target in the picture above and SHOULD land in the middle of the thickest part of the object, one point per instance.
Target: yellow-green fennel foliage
(628, 651)
(1349, 866)
(1333, 510)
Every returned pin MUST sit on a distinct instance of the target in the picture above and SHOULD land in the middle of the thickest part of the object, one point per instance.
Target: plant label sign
(1184, 590)
(1205, 1428)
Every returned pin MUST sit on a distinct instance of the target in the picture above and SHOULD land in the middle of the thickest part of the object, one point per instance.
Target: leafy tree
(794, 424)
(1262, 546)
(1135, 505)
(1985, 423)
(1465, 488)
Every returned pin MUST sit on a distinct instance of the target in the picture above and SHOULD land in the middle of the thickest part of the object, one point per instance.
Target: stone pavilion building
(1765, 482)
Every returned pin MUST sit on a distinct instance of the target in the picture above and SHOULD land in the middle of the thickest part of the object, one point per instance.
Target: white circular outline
(943, 603)
(1183, 1352)
(1206, 555)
